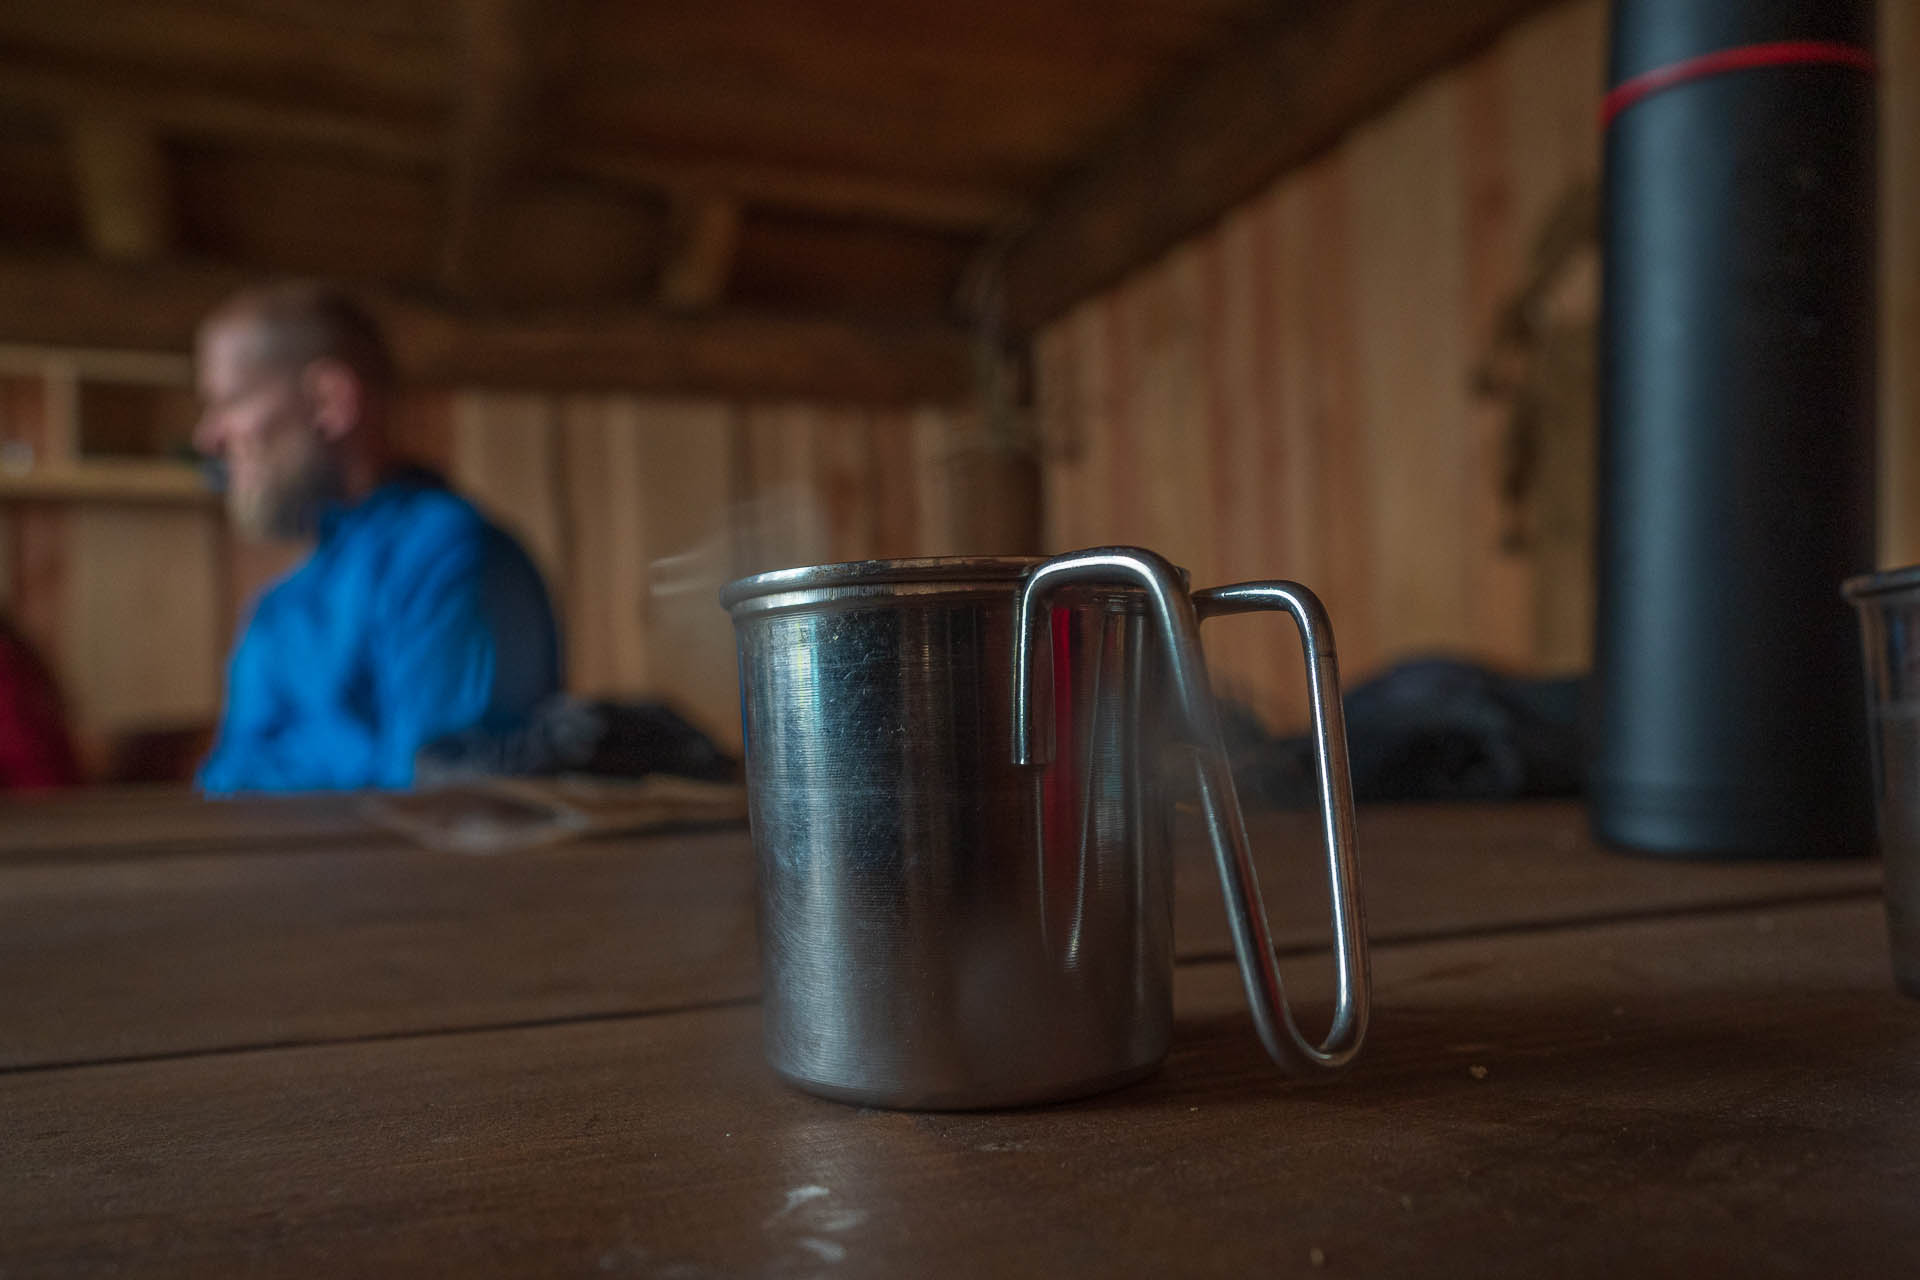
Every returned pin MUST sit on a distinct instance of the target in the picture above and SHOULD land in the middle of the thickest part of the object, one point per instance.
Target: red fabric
(35, 751)
(1780, 53)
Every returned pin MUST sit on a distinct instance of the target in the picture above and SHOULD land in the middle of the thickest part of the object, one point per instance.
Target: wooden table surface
(266, 1038)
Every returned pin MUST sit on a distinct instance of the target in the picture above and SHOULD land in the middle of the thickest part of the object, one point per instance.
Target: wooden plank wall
(636, 508)
(126, 599)
(1295, 393)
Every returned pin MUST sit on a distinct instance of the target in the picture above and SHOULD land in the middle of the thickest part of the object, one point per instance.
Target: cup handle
(1197, 721)
(1335, 788)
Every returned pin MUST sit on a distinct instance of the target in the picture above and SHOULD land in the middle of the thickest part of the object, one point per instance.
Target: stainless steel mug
(956, 781)
(1889, 608)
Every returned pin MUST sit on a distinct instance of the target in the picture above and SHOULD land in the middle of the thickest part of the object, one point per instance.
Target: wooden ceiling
(807, 175)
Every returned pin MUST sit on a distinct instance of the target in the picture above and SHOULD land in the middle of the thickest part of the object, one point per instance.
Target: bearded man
(414, 618)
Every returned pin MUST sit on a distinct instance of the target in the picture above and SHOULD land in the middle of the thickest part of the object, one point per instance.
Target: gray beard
(290, 510)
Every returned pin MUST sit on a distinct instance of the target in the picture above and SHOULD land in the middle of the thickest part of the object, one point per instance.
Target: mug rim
(853, 573)
(1882, 583)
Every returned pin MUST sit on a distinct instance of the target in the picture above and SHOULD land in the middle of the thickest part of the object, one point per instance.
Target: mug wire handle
(1178, 615)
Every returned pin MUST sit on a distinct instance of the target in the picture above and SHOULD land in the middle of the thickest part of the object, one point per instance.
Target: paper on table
(503, 815)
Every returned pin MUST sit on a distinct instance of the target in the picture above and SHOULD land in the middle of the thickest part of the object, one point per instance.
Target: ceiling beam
(79, 303)
(929, 205)
(120, 172)
(497, 57)
(727, 353)
(705, 230)
(1283, 91)
(193, 111)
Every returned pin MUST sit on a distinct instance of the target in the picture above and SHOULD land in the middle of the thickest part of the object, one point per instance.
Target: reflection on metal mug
(958, 799)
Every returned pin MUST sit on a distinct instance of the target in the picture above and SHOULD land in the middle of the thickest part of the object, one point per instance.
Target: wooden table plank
(137, 819)
(114, 957)
(148, 821)
(1433, 871)
(1727, 1095)
(166, 955)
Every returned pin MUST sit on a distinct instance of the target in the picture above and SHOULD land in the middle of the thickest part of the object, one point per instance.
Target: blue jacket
(413, 618)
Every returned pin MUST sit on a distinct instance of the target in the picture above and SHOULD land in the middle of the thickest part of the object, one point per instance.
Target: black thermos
(1737, 444)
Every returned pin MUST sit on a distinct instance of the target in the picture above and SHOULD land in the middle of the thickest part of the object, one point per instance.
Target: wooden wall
(636, 508)
(1377, 377)
(639, 509)
(1899, 282)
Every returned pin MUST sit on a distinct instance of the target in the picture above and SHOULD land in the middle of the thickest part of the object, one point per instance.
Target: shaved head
(294, 324)
(294, 380)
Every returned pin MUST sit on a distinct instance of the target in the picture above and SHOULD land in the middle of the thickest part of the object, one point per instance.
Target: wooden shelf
(103, 481)
(143, 368)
